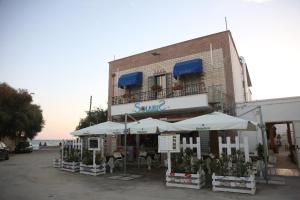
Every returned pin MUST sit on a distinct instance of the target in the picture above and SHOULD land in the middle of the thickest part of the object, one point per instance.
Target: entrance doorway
(281, 145)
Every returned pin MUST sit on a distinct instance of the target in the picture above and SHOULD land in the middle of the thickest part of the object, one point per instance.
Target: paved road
(32, 177)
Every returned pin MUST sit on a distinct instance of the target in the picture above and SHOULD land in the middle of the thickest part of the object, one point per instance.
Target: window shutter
(169, 84)
(169, 80)
(151, 82)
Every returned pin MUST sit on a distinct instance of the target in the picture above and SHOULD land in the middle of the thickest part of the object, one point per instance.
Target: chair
(142, 157)
(111, 164)
(157, 160)
(118, 159)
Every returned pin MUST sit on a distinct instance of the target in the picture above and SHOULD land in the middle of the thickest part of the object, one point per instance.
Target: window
(161, 81)
(164, 83)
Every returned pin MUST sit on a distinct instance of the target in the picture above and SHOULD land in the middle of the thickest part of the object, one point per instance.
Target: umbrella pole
(265, 144)
(264, 139)
(125, 145)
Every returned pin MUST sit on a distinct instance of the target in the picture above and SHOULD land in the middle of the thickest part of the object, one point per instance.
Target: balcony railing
(162, 94)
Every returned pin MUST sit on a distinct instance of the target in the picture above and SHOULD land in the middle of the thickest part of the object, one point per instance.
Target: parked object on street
(93, 161)
(4, 151)
(71, 154)
(24, 147)
(185, 170)
(70, 166)
(233, 172)
(93, 170)
(57, 162)
(185, 180)
(234, 184)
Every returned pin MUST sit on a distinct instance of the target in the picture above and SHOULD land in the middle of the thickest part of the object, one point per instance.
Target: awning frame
(188, 67)
(130, 79)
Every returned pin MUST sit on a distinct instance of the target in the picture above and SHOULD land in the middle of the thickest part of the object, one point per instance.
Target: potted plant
(177, 87)
(187, 171)
(71, 159)
(156, 88)
(233, 174)
(57, 162)
(88, 167)
(125, 96)
(260, 151)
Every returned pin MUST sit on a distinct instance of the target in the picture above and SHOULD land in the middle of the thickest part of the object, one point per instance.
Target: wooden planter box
(93, 170)
(57, 163)
(70, 166)
(184, 180)
(234, 184)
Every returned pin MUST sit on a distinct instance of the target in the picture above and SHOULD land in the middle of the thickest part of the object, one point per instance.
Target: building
(281, 116)
(179, 81)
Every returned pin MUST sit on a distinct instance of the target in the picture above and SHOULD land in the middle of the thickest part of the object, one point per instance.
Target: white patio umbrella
(108, 128)
(217, 121)
(151, 126)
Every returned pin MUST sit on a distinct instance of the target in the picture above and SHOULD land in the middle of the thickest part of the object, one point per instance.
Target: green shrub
(71, 154)
(231, 165)
(88, 158)
(260, 151)
(186, 162)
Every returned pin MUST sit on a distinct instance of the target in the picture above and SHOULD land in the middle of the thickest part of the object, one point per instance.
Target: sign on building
(162, 105)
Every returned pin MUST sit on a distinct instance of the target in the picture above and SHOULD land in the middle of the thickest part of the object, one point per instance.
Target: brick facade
(214, 50)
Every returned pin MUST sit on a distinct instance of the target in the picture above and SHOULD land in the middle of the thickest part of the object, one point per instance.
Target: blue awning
(132, 79)
(187, 67)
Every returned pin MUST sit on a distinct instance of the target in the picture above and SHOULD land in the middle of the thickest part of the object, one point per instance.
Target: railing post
(228, 145)
(198, 147)
(189, 89)
(220, 147)
(237, 143)
(183, 144)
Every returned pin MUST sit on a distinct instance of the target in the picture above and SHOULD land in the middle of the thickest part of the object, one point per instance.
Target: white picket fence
(186, 180)
(237, 145)
(75, 145)
(233, 183)
(192, 145)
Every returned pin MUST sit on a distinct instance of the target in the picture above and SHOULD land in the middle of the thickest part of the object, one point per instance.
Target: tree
(94, 117)
(18, 116)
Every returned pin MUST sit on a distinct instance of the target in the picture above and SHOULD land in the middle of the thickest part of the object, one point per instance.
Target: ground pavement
(31, 176)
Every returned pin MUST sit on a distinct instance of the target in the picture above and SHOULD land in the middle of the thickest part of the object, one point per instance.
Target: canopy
(217, 121)
(151, 126)
(131, 79)
(99, 129)
(187, 67)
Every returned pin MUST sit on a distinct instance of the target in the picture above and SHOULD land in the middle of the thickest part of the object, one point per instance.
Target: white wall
(237, 74)
(246, 88)
(273, 110)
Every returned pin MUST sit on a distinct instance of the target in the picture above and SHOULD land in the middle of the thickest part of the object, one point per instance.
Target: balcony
(186, 90)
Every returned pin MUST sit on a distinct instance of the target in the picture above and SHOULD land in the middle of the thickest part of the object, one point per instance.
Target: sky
(59, 49)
